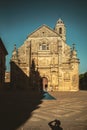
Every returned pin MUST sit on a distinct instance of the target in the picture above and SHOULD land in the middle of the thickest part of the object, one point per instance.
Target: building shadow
(35, 78)
(16, 107)
(18, 102)
(19, 79)
(55, 125)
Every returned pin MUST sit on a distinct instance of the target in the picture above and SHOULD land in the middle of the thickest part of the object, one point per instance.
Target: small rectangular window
(43, 46)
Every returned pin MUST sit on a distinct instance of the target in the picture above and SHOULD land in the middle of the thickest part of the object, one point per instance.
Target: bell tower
(60, 29)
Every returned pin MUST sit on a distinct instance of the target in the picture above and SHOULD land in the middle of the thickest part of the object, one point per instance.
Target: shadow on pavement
(16, 107)
(55, 125)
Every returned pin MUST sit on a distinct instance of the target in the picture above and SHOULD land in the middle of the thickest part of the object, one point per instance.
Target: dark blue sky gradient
(19, 18)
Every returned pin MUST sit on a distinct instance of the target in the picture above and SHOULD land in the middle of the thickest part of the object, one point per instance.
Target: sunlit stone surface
(45, 61)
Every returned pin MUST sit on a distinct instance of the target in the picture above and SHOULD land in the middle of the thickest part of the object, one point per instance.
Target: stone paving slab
(16, 112)
(70, 108)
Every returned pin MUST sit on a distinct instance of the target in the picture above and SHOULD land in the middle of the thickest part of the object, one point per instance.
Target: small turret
(73, 52)
(74, 58)
(15, 54)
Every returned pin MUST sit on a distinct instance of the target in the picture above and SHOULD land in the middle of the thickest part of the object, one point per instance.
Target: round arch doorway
(44, 83)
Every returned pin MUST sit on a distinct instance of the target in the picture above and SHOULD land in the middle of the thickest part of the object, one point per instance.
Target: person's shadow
(55, 125)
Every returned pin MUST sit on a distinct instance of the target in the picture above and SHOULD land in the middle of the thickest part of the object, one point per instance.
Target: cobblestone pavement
(70, 108)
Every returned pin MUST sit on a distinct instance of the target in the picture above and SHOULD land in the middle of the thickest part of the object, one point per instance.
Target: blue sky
(18, 18)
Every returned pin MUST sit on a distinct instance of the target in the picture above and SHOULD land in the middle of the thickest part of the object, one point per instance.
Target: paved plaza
(69, 108)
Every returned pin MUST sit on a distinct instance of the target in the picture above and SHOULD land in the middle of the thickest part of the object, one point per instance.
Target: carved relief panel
(43, 62)
(54, 79)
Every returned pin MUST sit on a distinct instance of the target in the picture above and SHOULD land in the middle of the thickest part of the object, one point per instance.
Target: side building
(45, 61)
(3, 53)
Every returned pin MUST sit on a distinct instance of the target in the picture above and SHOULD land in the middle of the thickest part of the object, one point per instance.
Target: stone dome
(59, 21)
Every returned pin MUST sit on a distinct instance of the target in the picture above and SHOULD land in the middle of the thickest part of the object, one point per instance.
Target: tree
(83, 81)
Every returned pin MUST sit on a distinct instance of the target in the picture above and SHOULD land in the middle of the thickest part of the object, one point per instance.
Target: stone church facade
(45, 61)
